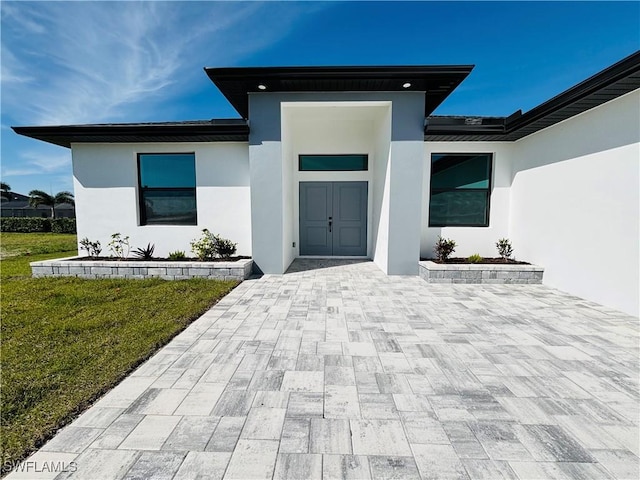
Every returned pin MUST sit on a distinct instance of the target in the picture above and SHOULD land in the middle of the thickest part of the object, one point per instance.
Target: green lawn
(13, 244)
(65, 341)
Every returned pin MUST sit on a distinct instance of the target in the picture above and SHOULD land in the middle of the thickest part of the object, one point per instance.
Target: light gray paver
(335, 369)
(203, 466)
(345, 467)
(298, 465)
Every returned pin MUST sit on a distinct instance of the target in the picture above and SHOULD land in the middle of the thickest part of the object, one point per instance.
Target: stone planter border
(492, 273)
(138, 269)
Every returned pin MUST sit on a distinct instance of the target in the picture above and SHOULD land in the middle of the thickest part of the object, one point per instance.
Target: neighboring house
(351, 161)
(17, 205)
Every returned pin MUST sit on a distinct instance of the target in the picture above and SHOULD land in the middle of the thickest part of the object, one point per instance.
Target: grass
(66, 341)
(16, 244)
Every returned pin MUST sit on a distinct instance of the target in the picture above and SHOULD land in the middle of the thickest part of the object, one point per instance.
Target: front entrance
(333, 218)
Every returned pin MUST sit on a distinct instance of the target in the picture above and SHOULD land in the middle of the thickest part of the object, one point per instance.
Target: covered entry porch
(344, 180)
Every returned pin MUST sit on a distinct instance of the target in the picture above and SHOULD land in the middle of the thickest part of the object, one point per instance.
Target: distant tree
(5, 188)
(38, 197)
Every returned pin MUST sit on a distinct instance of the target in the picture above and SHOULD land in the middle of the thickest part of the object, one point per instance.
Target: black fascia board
(464, 125)
(550, 112)
(438, 81)
(618, 71)
(194, 131)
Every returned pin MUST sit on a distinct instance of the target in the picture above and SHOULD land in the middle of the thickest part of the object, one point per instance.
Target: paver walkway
(343, 372)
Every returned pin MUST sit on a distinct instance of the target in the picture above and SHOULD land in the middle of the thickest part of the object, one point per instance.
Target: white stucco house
(351, 161)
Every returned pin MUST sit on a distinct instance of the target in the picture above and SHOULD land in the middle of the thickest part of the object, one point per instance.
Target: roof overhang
(218, 130)
(437, 81)
(617, 80)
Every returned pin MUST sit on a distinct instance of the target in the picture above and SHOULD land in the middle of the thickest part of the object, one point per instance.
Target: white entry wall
(575, 203)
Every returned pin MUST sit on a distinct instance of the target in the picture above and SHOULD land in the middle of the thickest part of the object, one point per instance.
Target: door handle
(330, 223)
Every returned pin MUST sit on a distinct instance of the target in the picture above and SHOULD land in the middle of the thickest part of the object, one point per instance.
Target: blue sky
(97, 62)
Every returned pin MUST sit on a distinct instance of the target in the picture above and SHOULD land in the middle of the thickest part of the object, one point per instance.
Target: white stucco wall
(471, 240)
(106, 190)
(575, 203)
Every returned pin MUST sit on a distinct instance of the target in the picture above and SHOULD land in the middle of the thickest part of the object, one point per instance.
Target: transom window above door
(333, 163)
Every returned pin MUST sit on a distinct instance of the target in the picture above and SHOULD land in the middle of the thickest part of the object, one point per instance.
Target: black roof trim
(216, 130)
(612, 82)
(438, 81)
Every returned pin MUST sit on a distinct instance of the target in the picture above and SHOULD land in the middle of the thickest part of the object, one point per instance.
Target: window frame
(365, 155)
(487, 190)
(141, 206)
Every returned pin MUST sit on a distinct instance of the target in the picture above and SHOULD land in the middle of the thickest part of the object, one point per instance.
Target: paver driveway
(344, 372)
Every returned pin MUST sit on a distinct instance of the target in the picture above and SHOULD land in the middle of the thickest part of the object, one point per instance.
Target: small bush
(119, 246)
(224, 247)
(505, 250)
(25, 224)
(210, 246)
(475, 258)
(205, 247)
(63, 225)
(93, 248)
(444, 248)
(145, 253)
(177, 255)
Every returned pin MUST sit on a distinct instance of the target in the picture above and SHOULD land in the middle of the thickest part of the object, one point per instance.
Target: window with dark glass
(460, 190)
(167, 186)
(325, 163)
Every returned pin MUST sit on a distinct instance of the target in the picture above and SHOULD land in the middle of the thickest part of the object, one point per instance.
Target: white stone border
(489, 273)
(138, 269)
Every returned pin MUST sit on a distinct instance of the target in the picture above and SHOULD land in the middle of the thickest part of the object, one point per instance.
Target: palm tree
(5, 188)
(38, 197)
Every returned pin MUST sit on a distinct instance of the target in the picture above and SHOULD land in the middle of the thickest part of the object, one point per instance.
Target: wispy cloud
(93, 62)
(82, 62)
(38, 162)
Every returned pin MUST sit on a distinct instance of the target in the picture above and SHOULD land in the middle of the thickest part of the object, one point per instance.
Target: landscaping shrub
(475, 258)
(224, 247)
(177, 255)
(210, 246)
(93, 248)
(63, 225)
(444, 248)
(205, 247)
(505, 250)
(119, 246)
(145, 253)
(25, 224)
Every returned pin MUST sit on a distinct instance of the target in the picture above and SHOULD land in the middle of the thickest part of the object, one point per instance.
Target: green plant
(505, 250)
(145, 253)
(475, 258)
(93, 248)
(205, 247)
(224, 247)
(119, 246)
(38, 197)
(63, 225)
(5, 188)
(444, 248)
(177, 255)
(25, 224)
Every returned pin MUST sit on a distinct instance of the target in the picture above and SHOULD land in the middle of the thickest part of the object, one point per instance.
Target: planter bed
(480, 273)
(139, 269)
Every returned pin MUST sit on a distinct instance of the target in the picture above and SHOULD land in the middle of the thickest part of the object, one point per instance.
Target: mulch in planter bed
(485, 261)
(133, 259)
